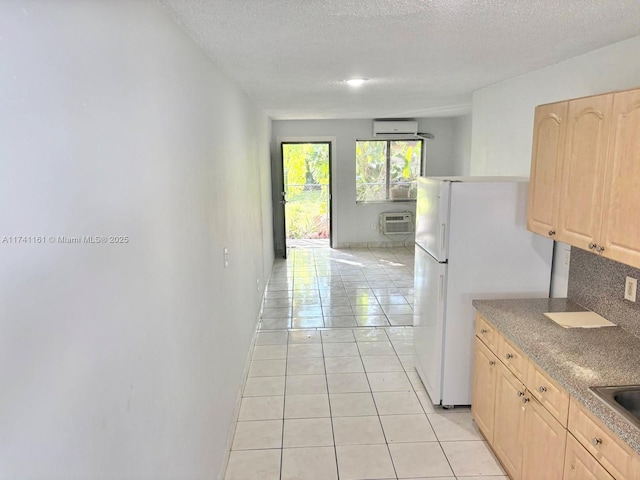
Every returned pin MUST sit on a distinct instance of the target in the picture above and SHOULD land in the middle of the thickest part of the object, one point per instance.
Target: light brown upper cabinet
(583, 168)
(620, 235)
(584, 174)
(549, 130)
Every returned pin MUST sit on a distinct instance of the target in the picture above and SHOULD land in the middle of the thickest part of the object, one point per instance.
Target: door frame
(279, 220)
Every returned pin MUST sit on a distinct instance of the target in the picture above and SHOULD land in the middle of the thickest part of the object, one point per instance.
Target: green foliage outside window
(387, 169)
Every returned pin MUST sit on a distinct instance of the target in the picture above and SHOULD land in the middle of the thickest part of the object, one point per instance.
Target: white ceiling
(423, 57)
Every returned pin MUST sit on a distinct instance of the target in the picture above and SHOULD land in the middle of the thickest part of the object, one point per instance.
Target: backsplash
(597, 284)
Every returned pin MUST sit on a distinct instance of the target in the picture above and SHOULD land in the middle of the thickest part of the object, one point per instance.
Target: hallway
(331, 391)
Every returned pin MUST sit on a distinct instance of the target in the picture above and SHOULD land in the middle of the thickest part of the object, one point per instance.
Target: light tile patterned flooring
(332, 392)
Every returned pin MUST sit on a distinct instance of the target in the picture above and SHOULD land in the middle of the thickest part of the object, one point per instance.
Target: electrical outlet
(374, 226)
(226, 257)
(630, 286)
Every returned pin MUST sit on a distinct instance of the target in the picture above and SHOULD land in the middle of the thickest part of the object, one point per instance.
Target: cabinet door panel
(583, 170)
(546, 166)
(580, 465)
(621, 217)
(509, 421)
(484, 389)
(545, 440)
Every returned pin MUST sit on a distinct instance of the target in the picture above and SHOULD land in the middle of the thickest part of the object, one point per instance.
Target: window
(387, 170)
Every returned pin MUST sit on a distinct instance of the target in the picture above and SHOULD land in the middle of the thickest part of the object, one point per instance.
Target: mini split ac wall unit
(390, 127)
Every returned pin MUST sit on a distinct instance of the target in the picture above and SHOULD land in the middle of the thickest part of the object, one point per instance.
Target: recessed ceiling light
(356, 82)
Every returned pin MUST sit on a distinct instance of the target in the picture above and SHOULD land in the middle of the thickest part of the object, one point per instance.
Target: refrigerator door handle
(442, 235)
(441, 288)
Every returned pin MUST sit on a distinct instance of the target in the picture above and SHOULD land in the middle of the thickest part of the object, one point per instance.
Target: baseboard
(408, 243)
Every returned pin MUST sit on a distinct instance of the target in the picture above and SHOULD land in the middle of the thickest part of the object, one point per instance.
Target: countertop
(576, 358)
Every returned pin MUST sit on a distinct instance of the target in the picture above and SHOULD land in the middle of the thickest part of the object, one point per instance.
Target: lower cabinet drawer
(486, 333)
(549, 393)
(513, 358)
(599, 441)
(580, 465)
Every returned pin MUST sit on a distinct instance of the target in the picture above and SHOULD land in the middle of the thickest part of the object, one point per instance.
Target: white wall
(462, 145)
(503, 113)
(352, 223)
(123, 361)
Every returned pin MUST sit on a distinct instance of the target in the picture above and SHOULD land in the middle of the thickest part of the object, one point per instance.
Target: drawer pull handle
(484, 330)
(596, 441)
(509, 356)
(542, 389)
(492, 362)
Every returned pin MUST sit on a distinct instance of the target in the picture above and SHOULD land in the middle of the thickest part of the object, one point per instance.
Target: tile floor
(331, 391)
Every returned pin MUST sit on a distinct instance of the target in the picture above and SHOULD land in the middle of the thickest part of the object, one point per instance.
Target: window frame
(388, 141)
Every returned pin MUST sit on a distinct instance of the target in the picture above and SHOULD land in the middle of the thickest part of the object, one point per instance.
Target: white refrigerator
(471, 243)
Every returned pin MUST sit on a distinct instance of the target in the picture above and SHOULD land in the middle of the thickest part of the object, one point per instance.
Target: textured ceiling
(423, 58)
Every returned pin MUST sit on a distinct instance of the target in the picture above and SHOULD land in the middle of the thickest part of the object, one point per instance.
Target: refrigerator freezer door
(432, 217)
(428, 321)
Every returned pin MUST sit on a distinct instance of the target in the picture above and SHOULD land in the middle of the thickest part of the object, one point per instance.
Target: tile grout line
(378, 412)
(333, 431)
(284, 400)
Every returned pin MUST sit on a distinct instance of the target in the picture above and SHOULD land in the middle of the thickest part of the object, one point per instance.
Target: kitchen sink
(623, 399)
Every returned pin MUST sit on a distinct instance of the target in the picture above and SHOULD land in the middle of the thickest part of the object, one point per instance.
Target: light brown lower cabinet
(544, 443)
(610, 452)
(509, 421)
(484, 389)
(529, 442)
(580, 465)
(526, 431)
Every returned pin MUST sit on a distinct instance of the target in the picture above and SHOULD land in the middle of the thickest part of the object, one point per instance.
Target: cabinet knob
(492, 362)
(509, 356)
(592, 246)
(596, 441)
(483, 330)
(520, 394)
(542, 389)
(599, 249)
(525, 399)
(552, 233)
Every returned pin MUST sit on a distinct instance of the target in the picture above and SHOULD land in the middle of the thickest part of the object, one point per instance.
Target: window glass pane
(371, 171)
(404, 168)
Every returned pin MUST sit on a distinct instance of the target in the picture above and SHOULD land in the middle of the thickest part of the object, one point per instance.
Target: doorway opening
(306, 190)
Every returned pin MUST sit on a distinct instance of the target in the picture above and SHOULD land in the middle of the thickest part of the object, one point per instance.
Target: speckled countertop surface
(576, 358)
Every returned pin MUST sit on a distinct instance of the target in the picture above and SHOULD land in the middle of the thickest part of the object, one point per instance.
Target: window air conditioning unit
(390, 127)
(394, 223)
